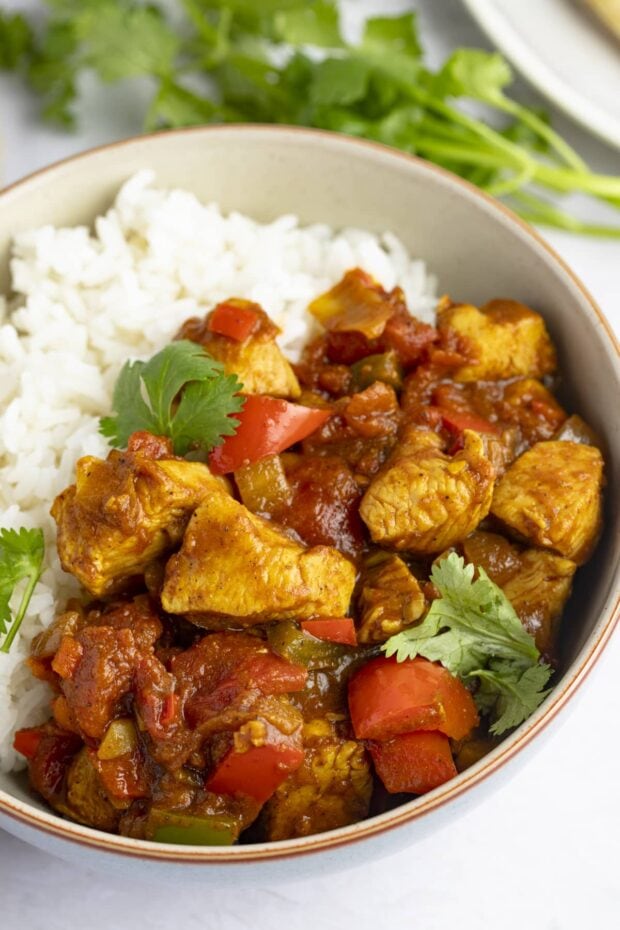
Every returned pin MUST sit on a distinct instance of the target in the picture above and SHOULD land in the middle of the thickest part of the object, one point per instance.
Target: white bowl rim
(55, 826)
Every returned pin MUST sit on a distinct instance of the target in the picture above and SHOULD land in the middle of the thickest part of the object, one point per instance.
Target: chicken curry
(228, 673)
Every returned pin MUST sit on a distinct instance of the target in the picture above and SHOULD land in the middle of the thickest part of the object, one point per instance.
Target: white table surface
(543, 853)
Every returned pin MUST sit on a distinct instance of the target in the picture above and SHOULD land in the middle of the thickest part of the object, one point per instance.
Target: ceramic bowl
(478, 250)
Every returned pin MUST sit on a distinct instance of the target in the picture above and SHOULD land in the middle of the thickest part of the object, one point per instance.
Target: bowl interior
(477, 250)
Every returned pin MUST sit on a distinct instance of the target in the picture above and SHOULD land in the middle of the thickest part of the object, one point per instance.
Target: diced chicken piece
(236, 565)
(87, 802)
(424, 501)
(390, 599)
(257, 361)
(536, 582)
(505, 339)
(551, 496)
(125, 511)
(331, 788)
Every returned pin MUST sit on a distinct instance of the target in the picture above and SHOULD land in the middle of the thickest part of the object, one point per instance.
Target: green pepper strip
(383, 367)
(186, 830)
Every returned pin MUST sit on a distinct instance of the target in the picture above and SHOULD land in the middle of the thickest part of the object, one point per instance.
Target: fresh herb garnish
(21, 558)
(473, 630)
(250, 61)
(146, 397)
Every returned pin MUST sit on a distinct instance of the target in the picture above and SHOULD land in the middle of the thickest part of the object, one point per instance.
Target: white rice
(87, 301)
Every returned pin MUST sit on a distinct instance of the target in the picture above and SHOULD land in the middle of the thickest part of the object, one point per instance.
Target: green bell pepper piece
(298, 647)
(384, 367)
(188, 830)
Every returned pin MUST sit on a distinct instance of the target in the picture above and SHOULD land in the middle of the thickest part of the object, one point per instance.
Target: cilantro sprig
(21, 558)
(473, 630)
(288, 61)
(147, 396)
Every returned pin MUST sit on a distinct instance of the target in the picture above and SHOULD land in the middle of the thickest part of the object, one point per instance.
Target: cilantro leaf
(146, 398)
(390, 44)
(473, 73)
(176, 105)
(315, 24)
(512, 691)
(16, 40)
(339, 81)
(473, 630)
(53, 71)
(21, 558)
(204, 411)
(245, 60)
(124, 43)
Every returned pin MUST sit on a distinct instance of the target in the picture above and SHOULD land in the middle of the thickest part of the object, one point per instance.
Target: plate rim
(595, 119)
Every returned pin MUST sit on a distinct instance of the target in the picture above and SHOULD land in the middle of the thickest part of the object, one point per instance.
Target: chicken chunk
(87, 802)
(505, 338)
(125, 511)
(257, 361)
(536, 582)
(390, 600)
(424, 501)
(551, 496)
(236, 565)
(331, 789)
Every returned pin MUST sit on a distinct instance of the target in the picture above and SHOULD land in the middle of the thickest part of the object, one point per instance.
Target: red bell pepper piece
(458, 420)
(233, 319)
(256, 772)
(27, 741)
(387, 698)
(267, 425)
(332, 631)
(414, 762)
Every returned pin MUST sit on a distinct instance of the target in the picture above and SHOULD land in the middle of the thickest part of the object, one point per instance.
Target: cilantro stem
(563, 149)
(479, 157)
(536, 210)
(491, 136)
(19, 616)
(568, 180)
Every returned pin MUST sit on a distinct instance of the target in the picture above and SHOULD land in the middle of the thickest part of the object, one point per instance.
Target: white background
(542, 854)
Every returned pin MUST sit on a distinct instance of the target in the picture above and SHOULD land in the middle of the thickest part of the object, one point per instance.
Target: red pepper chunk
(255, 772)
(387, 698)
(233, 319)
(267, 425)
(332, 631)
(457, 420)
(414, 762)
(27, 741)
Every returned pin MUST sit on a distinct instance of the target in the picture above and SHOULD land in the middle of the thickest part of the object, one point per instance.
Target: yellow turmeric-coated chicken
(390, 599)
(423, 500)
(505, 339)
(125, 511)
(257, 360)
(331, 789)
(551, 496)
(536, 582)
(234, 564)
